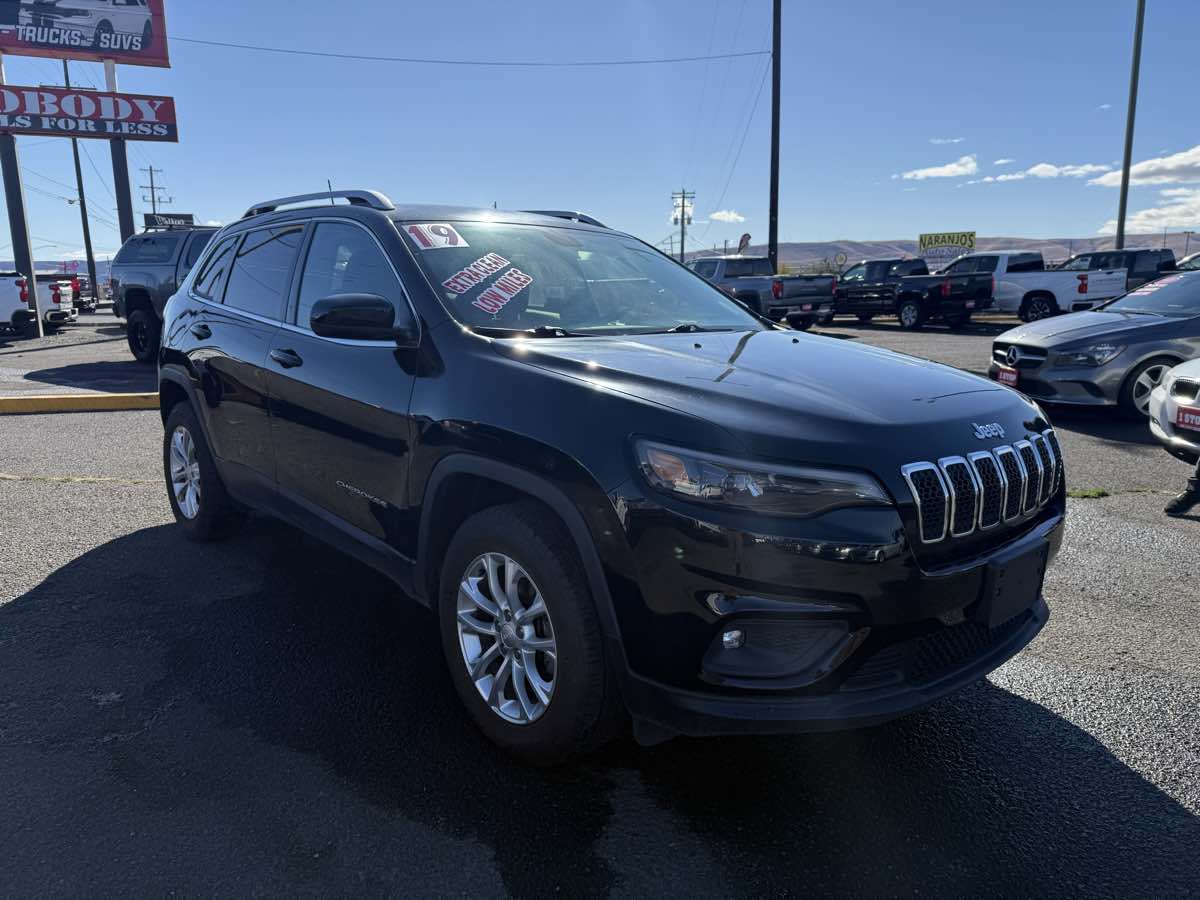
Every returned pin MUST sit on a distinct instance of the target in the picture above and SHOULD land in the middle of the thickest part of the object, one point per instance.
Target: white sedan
(1175, 411)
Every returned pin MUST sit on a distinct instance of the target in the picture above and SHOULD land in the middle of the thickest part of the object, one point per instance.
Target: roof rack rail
(567, 214)
(373, 199)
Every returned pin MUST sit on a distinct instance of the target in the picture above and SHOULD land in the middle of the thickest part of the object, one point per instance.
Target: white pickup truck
(1026, 287)
(56, 300)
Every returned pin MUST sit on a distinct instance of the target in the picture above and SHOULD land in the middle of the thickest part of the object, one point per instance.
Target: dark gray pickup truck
(800, 299)
(904, 288)
(145, 273)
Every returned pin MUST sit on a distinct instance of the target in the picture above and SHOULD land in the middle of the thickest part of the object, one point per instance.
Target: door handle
(201, 331)
(289, 359)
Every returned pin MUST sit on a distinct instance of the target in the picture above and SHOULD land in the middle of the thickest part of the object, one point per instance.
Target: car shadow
(267, 715)
(1103, 424)
(892, 326)
(123, 377)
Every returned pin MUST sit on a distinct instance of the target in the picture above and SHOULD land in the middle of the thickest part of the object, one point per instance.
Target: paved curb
(69, 403)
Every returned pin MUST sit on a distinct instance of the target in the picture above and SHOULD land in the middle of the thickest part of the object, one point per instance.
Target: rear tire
(910, 314)
(801, 323)
(143, 331)
(198, 498)
(1038, 307)
(1134, 400)
(563, 702)
(865, 317)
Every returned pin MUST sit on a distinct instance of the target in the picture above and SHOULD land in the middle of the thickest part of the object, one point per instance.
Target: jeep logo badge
(991, 430)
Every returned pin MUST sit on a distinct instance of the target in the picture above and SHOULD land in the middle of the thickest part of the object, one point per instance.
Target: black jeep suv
(620, 492)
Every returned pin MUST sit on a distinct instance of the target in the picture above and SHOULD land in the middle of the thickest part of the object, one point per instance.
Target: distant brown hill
(799, 255)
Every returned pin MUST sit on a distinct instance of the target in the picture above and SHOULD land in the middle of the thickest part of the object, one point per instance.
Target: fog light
(731, 640)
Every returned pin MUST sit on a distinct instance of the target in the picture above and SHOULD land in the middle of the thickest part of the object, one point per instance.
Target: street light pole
(776, 72)
(1129, 117)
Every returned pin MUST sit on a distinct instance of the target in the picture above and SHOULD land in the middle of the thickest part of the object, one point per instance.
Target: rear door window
(986, 264)
(706, 268)
(1081, 263)
(961, 266)
(196, 248)
(262, 269)
(1025, 262)
(210, 283)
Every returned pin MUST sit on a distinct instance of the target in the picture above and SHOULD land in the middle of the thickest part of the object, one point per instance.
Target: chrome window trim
(1026, 508)
(907, 472)
(985, 454)
(944, 464)
(998, 452)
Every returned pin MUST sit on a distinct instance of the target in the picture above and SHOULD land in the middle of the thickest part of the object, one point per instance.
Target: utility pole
(83, 213)
(1129, 117)
(154, 200)
(776, 69)
(1187, 241)
(683, 202)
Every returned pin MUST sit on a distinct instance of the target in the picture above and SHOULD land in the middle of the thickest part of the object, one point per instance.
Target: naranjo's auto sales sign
(943, 247)
(131, 32)
(62, 112)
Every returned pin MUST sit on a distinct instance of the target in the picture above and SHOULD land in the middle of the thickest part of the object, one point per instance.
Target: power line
(745, 132)
(498, 63)
(92, 163)
(712, 33)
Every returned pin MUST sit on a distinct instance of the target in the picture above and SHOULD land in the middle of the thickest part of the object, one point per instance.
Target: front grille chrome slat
(959, 495)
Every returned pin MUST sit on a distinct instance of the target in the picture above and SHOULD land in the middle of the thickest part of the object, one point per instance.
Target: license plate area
(1008, 376)
(1012, 584)
(1188, 417)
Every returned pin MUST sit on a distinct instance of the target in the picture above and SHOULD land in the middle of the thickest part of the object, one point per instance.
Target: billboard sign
(66, 112)
(130, 32)
(170, 220)
(942, 248)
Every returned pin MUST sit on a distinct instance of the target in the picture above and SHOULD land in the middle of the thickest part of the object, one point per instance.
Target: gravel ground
(265, 717)
(82, 358)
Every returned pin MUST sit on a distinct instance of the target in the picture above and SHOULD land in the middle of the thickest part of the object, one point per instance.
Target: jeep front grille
(957, 496)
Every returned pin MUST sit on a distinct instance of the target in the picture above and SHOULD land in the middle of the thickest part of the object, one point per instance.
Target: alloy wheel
(1145, 385)
(507, 638)
(908, 315)
(1038, 309)
(185, 473)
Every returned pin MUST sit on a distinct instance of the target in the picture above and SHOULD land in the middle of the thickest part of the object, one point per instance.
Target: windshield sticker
(502, 291)
(465, 279)
(1153, 286)
(435, 236)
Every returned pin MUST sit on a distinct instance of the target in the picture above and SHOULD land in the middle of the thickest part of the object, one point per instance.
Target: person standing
(1189, 499)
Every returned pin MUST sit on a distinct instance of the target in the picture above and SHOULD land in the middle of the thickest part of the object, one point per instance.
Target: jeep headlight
(768, 489)
(1096, 355)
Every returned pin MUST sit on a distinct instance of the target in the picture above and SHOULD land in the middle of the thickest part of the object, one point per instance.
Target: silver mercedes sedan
(1115, 355)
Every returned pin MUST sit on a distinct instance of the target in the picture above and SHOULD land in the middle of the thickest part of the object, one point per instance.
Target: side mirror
(359, 317)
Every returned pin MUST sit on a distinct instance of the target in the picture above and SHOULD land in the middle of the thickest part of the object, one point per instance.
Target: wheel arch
(137, 298)
(462, 484)
(174, 389)
(1029, 296)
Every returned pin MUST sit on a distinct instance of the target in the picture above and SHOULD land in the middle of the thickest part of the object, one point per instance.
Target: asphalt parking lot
(263, 716)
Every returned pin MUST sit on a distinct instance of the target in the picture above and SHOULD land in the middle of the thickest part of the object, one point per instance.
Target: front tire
(143, 331)
(1134, 400)
(522, 637)
(198, 498)
(801, 323)
(910, 314)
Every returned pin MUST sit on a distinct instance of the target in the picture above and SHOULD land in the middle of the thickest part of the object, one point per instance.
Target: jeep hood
(821, 396)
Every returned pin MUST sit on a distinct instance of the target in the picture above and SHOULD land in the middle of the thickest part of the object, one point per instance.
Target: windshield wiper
(693, 328)
(542, 331)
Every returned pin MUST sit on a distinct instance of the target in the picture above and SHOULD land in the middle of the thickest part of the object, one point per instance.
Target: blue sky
(872, 90)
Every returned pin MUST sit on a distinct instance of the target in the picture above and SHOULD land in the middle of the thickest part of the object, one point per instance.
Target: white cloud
(1182, 210)
(1177, 168)
(1003, 162)
(964, 165)
(214, 223)
(1104, 106)
(727, 215)
(1045, 170)
(946, 140)
(909, 190)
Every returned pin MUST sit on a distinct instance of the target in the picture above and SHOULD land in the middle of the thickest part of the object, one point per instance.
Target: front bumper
(1069, 385)
(1182, 443)
(844, 632)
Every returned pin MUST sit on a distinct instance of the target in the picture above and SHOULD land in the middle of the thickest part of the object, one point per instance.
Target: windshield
(525, 277)
(1177, 296)
(746, 268)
